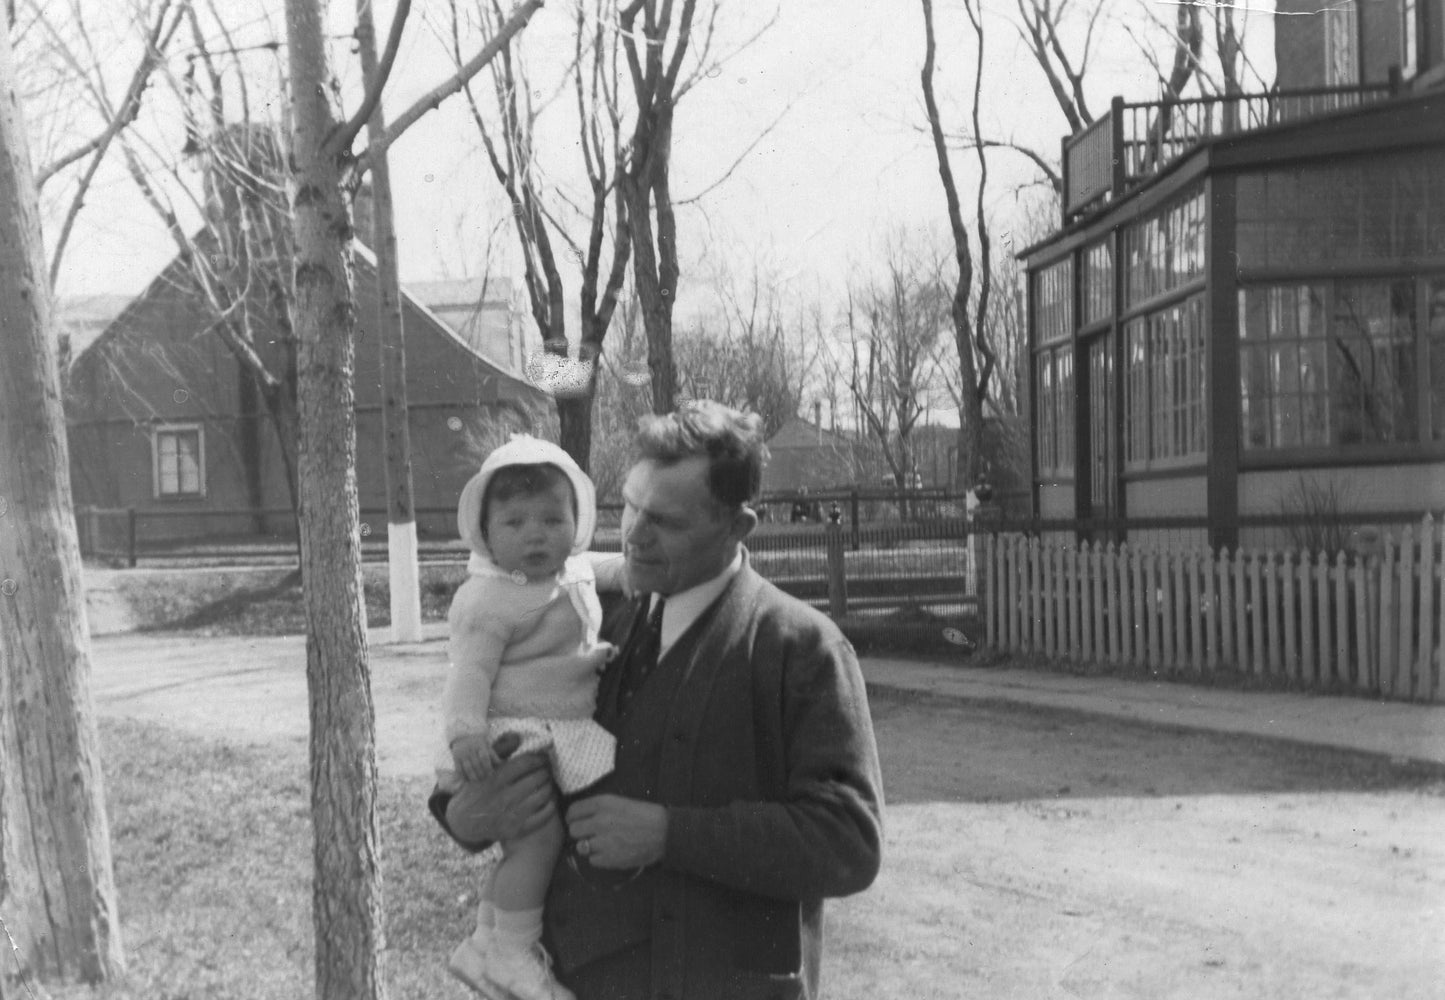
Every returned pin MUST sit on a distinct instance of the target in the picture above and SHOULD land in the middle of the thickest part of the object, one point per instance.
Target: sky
(827, 98)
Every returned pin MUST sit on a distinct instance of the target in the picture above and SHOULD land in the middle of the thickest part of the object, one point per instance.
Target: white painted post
(1291, 651)
(1257, 599)
(1405, 648)
(990, 591)
(1241, 608)
(1036, 597)
(1386, 619)
(1151, 609)
(1111, 578)
(1140, 630)
(1226, 606)
(1365, 674)
(1270, 567)
(1309, 669)
(1167, 628)
(1196, 616)
(1096, 575)
(1424, 659)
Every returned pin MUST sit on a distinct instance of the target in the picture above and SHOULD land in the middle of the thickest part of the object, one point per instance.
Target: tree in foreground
(347, 892)
(57, 887)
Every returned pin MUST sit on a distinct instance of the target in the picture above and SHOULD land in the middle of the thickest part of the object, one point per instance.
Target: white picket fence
(1374, 624)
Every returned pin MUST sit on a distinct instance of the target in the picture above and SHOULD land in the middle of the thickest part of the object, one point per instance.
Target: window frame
(177, 431)
(1166, 418)
(1423, 446)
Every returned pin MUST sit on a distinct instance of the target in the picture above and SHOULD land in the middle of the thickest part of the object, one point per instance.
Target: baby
(525, 659)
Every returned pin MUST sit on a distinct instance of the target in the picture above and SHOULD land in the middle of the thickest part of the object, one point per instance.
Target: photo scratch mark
(19, 963)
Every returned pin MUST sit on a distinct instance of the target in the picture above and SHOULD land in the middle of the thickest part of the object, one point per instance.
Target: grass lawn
(213, 862)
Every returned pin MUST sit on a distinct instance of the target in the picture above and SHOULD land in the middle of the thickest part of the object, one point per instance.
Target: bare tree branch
(430, 100)
(374, 87)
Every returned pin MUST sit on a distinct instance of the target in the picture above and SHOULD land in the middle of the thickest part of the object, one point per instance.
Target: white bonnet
(524, 449)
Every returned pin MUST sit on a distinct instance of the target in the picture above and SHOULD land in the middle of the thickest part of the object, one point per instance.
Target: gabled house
(483, 314)
(1248, 292)
(805, 455)
(163, 419)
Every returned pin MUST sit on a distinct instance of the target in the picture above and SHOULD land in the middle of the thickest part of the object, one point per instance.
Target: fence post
(853, 513)
(837, 575)
(130, 535)
(85, 529)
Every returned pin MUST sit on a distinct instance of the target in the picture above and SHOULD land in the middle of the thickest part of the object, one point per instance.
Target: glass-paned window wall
(1164, 384)
(1435, 344)
(1334, 363)
(1360, 210)
(1166, 251)
(1098, 282)
(1053, 300)
(1054, 410)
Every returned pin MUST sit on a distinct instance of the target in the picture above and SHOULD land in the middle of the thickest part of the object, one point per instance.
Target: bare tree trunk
(402, 569)
(655, 269)
(971, 389)
(57, 886)
(347, 892)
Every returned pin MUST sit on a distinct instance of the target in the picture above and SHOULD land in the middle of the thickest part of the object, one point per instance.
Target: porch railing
(1135, 141)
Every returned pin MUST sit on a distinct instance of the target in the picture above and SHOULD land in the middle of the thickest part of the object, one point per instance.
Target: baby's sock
(486, 919)
(517, 930)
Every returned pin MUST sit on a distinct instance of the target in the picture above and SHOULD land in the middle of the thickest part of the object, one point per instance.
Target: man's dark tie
(643, 655)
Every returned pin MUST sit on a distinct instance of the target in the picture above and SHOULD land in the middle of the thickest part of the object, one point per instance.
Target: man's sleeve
(823, 837)
(436, 804)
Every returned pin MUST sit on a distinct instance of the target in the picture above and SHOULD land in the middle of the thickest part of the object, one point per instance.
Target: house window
(1369, 209)
(1054, 411)
(1165, 252)
(1409, 43)
(1098, 282)
(1435, 344)
(1335, 363)
(178, 452)
(1053, 297)
(1164, 384)
(1342, 44)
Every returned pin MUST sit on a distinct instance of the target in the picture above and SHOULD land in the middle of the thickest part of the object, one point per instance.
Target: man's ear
(744, 521)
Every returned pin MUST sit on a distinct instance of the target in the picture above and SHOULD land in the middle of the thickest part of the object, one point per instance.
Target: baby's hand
(473, 756)
(601, 654)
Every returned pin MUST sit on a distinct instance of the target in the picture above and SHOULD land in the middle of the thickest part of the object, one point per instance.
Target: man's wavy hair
(732, 442)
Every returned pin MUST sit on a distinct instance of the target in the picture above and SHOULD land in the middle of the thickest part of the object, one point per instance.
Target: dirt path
(1071, 855)
(1077, 856)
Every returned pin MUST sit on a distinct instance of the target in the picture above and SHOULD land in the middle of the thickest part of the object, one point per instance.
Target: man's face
(675, 535)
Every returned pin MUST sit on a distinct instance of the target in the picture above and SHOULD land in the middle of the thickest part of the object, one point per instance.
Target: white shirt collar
(685, 607)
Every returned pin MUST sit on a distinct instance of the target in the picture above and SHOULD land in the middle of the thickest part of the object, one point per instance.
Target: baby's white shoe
(525, 974)
(469, 964)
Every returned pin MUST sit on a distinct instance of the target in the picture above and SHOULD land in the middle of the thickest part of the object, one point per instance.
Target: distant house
(163, 419)
(803, 454)
(482, 312)
(1247, 293)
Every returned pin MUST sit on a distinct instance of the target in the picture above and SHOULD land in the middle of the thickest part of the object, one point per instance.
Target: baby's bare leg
(525, 871)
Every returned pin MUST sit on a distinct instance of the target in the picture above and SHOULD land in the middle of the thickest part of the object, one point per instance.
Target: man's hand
(515, 799)
(613, 832)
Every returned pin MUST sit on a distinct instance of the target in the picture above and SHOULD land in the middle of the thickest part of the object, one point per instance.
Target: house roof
(174, 271)
(85, 317)
(365, 257)
(800, 433)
